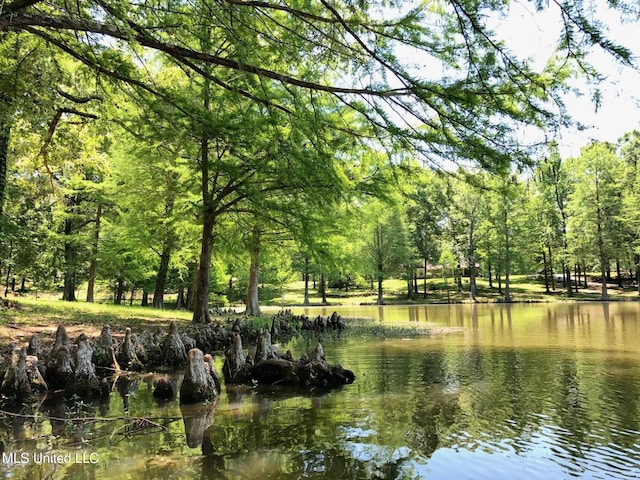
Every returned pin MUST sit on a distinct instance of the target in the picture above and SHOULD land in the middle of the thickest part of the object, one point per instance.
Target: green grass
(33, 312)
(523, 289)
(29, 313)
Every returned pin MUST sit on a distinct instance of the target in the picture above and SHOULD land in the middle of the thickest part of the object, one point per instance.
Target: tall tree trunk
(6, 283)
(119, 291)
(201, 283)
(69, 292)
(604, 261)
(94, 256)
(424, 280)
(161, 276)
(553, 278)
(490, 276)
(5, 130)
(546, 272)
(471, 260)
(253, 304)
(145, 297)
(323, 288)
(619, 273)
(409, 285)
(380, 300)
(637, 258)
(181, 304)
(306, 281)
(203, 271)
(379, 263)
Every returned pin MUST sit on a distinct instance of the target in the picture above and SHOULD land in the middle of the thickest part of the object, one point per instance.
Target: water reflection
(540, 391)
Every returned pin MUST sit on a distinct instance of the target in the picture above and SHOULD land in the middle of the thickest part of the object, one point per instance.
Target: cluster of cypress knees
(82, 368)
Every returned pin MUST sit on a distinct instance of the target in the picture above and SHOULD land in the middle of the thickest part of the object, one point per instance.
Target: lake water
(511, 392)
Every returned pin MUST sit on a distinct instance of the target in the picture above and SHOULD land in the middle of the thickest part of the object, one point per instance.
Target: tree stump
(62, 340)
(234, 369)
(264, 349)
(208, 360)
(84, 383)
(23, 380)
(59, 373)
(175, 354)
(101, 354)
(127, 356)
(197, 385)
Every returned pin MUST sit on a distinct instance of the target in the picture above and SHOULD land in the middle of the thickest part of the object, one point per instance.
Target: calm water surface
(515, 392)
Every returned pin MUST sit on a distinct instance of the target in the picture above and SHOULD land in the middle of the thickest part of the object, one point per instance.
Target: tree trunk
(5, 130)
(161, 277)
(6, 283)
(546, 274)
(490, 276)
(323, 289)
(201, 283)
(306, 281)
(619, 273)
(471, 260)
(94, 256)
(379, 262)
(637, 258)
(180, 302)
(604, 261)
(119, 292)
(553, 278)
(253, 304)
(145, 297)
(424, 280)
(409, 285)
(69, 293)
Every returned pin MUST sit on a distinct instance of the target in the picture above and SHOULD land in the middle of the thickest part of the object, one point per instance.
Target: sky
(531, 34)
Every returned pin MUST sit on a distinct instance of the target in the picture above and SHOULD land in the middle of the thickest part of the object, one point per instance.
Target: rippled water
(515, 392)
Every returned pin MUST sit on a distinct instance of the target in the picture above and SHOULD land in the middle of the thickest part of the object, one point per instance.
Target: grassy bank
(523, 289)
(24, 314)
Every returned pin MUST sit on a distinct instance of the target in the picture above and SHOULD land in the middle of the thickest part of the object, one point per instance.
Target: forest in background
(209, 147)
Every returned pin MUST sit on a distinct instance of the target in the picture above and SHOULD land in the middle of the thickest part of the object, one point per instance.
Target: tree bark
(94, 256)
(323, 289)
(253, 305)
(604, 261)
(637, 259)
(546, 271)
(5, 130)
(306, 281)
(69, 293)
(471, 260)
(201, 284)
(379, 263)
(161, 277)
(553, 279)
(424, 280)
(119, 292)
